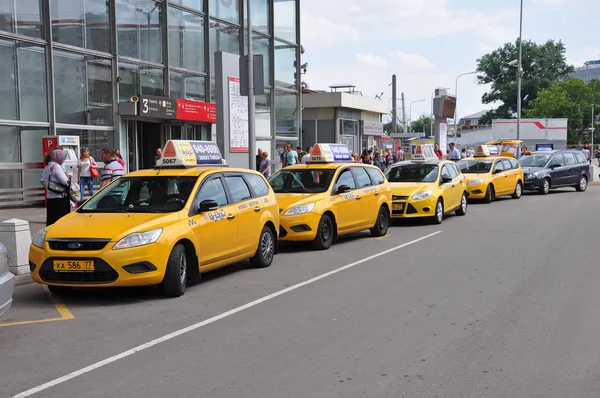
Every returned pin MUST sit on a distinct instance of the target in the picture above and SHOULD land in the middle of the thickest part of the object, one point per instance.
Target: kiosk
(70, 144)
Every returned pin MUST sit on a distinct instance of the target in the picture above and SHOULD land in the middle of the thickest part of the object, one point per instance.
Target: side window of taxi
(362, 177)
(258, 185)
(238, 188)
(345, 178)
(376, 175)
(514, 163)
(446, 172)
(498, 167)
(507, 165)
(454, 170)
(212, 189)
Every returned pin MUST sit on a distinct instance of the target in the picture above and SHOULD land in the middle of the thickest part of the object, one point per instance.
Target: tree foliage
(423, 123)
(571, 99)
(543, 64)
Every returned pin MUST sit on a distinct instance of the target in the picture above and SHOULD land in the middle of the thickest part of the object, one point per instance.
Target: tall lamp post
(519, 75)
(410, 113)
(456, 94)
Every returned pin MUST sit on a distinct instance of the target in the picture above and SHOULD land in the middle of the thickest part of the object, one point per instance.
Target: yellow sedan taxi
(330, 197)
(188, 215)
(426, 186)
(490, 175)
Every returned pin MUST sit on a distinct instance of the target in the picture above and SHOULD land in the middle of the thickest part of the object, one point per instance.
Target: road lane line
(214, 319)
(62, 309)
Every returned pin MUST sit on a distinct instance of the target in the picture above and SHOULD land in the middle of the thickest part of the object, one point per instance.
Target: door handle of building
(231, 217)
(257, 209)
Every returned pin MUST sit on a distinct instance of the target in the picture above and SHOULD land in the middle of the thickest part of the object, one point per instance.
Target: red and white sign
(196, 111)
(48, 144)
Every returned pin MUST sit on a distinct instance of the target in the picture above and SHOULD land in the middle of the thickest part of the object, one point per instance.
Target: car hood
(287, 200)
(474, 176)
(531, 169)
(409, 188)
(113, 226)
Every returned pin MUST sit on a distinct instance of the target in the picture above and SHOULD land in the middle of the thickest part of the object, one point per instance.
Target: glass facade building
(591, 70)
(67, 64)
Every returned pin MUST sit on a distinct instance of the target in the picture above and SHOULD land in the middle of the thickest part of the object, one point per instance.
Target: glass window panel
(285, 59)
(261, 15)
(97, 25)
(152, 81)
(22, 16)
(9, 145)
(194, 4)
(228, 10)
(263, 115)
(129, 81)
(32, 151)
(223, 37)
(32, 83)
(212, 89)
(139, 29)
(188, 86)
(186, 40)
(286, 113)
(261, 45)
(93, 140)
(67, 22)
(99, 80)
(284, 14)
(8, 77)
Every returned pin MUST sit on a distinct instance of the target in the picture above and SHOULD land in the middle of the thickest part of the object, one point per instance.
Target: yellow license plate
(74, 266)
(398, 206)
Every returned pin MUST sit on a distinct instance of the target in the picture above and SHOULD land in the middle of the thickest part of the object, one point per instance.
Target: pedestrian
(58, 203)
(111, 171)
(586, 153)
(453, 153)
(379, 161)
(463, 153)
(120, 158)
(86, 165)
(400, 154)
(158, 155)
(265, 165)
(259, 158)
(438, 151)
(307, 155)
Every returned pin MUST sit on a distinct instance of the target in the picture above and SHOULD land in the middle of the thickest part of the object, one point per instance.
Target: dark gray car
(545, 170)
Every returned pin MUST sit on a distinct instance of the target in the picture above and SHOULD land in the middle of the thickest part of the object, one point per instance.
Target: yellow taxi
(509, 148)
(490, 174)
(426, 186)
(330, 196)
(162, 226)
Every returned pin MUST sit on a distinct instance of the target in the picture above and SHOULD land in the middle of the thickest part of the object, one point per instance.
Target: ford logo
(74, 245)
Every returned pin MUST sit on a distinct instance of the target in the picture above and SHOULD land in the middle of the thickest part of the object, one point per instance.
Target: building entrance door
(149, 139)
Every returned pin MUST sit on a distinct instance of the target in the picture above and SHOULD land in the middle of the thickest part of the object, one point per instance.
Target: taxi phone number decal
(217, 215)
(349, 195)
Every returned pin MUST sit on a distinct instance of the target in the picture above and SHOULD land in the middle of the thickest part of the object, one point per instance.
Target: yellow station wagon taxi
(188, 215)
(426, 186)
(330, 196)
(490, 175)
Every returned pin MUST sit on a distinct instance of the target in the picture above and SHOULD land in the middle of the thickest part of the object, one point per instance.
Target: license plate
(74, 266)
(397, 206)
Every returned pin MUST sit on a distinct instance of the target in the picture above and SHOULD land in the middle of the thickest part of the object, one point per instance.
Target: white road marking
(198, 325)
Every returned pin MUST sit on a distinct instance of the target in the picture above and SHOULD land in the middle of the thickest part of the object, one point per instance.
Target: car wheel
(490, 194)
(266, 249)
(544, 187)
(175, 280)
(438, 217)
(582, 186)
(60, 290)
(462, 210)
(325, 234)
(518, 191)
(382, 224)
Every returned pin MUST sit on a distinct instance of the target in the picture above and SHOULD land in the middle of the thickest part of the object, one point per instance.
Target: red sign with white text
(196, 111)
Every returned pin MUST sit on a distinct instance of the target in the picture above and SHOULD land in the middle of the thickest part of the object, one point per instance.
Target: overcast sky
(428, 43)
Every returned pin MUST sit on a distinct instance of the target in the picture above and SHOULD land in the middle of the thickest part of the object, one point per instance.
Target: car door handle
(376, 193)
(231, 216)
(358, 197)
(257, 209)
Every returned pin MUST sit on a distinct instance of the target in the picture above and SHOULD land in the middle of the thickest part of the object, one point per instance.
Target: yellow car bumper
(476, 191)
(300, 228)
(138, 266)
(414, 208)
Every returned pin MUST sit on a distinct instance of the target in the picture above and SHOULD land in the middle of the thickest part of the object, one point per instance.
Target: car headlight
(139, 239)
(422, 195)
(39, 239)
(300, 209)
(476, 181)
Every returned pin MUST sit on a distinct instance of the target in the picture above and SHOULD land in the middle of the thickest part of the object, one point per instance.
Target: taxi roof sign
(424, 152)
(183, 153)
(329, 153)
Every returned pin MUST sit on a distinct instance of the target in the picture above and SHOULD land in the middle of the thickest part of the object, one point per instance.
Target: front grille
(394, 197)
(77, 244)
(103, 273)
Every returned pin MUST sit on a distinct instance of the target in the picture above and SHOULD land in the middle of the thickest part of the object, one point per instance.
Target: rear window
(580, 158)
(259, 186)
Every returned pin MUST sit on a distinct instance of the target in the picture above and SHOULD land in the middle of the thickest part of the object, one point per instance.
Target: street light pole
(251, 98)
(410, 114)
(520, 74)
(456, 95)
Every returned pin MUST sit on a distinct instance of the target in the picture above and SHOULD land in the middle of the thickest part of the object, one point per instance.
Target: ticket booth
(69, 143)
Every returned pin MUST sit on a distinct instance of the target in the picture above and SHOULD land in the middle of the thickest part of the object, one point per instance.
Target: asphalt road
(503, 302)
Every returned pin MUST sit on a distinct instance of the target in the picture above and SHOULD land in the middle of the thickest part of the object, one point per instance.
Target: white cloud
(412, 61)
(371, 60)
(319, 31)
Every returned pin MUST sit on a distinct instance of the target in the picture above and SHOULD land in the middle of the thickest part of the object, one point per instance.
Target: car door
(511, 176)
(248, 217)
(572, 168)
(215, 231)
(583, 166)
(368, 198)
(451, 189)
(499, 178)
(558, 171)
(348, 204)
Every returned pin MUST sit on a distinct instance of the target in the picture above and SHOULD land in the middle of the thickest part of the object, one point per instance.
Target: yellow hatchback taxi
(188, 215)
(490, 175)
(427, 187)
(330, 197)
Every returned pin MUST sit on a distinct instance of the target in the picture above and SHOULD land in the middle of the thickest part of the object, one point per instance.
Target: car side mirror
(343, 189)
(446, 179)
(207, 205)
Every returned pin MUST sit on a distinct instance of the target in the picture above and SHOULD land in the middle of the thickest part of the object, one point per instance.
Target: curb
(24, 279)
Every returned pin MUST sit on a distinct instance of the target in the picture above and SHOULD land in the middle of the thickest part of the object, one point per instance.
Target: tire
(582, 186)
(266, 249)
(175, 280)
(518, 191)
(544, 187)
(490, 194)
(325, 234)
(462, 210)
(438, 218)
(60, 290)
(382, 223)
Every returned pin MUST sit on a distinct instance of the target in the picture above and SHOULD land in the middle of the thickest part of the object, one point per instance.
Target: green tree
(543, 64)
(571, 99)
(421, 124)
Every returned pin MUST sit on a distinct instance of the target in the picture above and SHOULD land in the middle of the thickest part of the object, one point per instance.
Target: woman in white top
(84, 166)
(58, 203)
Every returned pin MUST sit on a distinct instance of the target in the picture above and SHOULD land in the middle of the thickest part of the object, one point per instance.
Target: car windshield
(474, 166)
(155, 194)
(301, 181)
(535, 160)
(412, 172)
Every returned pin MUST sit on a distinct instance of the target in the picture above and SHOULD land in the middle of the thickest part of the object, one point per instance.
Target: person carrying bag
(58, 185)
